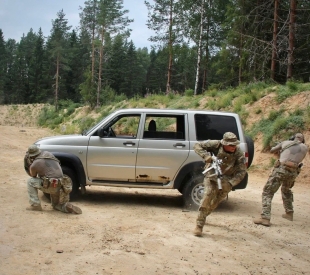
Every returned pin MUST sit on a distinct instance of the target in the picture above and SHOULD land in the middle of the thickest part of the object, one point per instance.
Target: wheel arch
(186, 172)
(73, 162)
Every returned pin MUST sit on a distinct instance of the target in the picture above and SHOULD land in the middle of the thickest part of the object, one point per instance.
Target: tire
(250, 144)
(193, 192)
(75, 187)
(47, 195)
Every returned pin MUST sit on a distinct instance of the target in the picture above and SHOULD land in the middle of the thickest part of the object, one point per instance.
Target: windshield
(86, 132)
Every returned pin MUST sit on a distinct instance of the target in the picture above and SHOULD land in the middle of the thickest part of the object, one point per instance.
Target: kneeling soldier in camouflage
(46, 175)
(284, 173)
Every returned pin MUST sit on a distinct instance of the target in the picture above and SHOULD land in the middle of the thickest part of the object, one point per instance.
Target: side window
(214, 126)
(164, 127)
(125, 126)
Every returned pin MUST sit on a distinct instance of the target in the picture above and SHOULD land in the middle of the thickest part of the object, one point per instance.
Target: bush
(189, 92)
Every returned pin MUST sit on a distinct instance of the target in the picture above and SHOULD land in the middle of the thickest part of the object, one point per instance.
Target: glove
(208, 159)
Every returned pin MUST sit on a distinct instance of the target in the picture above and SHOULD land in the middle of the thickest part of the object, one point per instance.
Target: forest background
(200, 46)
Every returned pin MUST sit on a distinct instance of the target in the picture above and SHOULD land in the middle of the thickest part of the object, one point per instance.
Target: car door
(113, 155)
(163, 147)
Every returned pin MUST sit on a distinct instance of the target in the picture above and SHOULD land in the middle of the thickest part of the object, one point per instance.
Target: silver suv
(146, 148)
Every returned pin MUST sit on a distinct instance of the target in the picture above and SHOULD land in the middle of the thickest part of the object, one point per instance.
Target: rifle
(217, 169)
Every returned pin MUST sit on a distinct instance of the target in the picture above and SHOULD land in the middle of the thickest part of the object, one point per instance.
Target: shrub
(189, 92)
(211, 104)
(292, 86)
(283, 94)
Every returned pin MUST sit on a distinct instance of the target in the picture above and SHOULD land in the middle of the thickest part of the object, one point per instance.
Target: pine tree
(3, 66)
(89, 24)
(164, 20)
(57, 46)
(111, 20)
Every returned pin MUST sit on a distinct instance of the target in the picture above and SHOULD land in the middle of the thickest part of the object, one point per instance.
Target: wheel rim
(197, 193)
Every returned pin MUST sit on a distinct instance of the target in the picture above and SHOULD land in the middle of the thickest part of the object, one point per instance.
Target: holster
(290, 166)
(52, 185)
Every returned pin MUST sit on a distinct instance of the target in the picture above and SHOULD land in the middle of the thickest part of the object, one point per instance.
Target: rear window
(214, 126)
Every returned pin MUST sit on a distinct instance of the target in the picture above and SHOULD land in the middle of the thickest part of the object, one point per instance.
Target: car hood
(65, 140)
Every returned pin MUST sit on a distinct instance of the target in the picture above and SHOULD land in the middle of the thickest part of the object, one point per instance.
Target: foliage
(189, 92)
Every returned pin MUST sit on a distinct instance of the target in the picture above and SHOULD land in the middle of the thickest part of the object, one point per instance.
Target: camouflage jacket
(233, 167)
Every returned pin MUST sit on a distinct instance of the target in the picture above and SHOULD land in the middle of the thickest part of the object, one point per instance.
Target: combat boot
(73, 209)
(198, 231)
(262, 221)
(288, 216)
(35, 208)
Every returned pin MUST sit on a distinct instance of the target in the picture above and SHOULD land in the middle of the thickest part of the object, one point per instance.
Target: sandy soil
(135, 231)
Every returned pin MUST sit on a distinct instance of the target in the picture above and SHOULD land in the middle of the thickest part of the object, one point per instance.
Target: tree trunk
(205, 72)
(100, 68)
(291, 39)
(57, 83)
(199, 46)
(240, 58)
(168, 86)
(274, 41)
(240, 50)
(93, 56)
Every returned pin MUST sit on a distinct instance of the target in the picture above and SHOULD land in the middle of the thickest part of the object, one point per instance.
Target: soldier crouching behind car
(46, 175)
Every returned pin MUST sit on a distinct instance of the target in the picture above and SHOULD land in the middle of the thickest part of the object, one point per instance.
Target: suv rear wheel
(193, 192)
(250, 144)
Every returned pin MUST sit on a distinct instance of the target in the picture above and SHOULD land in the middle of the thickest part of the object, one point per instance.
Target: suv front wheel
(193, 192)
(75, 188)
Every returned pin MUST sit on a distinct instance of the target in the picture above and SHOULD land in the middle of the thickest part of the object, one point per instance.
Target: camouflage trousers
(58, 199)
(279, 176)
(211, 198)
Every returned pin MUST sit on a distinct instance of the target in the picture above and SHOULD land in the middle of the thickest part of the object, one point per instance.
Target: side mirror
(102, 133)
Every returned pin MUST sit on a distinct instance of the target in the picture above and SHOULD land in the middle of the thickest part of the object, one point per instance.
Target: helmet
(230, 138)
(33, 150)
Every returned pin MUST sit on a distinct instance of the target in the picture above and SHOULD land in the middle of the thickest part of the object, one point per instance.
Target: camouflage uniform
(49, 179)
(284, 173)
(233, 170)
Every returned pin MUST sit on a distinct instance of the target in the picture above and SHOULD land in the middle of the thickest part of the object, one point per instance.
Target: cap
(33, 150)
(230, 138)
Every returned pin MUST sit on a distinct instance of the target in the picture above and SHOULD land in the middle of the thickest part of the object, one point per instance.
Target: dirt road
(135, 231)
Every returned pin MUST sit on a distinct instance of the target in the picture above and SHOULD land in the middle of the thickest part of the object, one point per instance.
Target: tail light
(246, 155)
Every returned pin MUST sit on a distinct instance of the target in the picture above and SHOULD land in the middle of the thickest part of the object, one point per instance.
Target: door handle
(129, 143)
(179, 145)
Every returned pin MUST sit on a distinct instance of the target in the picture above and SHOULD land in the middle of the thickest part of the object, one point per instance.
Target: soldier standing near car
(233, 169)
(46, 175)
(285, 171)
